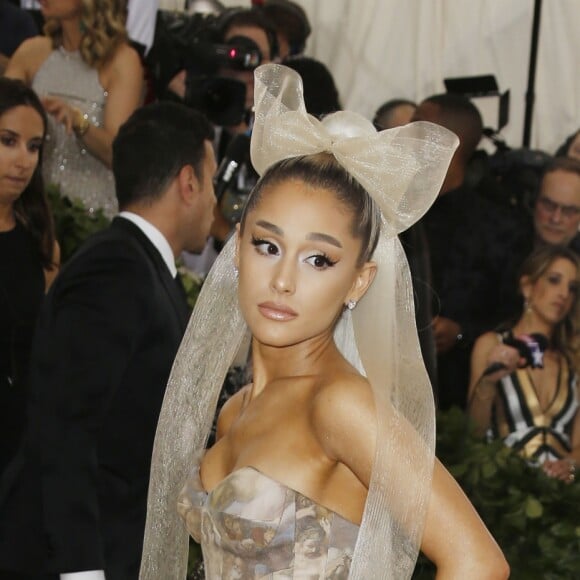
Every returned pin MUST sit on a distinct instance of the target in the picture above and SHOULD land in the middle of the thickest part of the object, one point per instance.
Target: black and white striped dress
(518, 418)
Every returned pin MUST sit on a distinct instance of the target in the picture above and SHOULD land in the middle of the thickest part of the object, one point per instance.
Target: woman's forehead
(296, 195)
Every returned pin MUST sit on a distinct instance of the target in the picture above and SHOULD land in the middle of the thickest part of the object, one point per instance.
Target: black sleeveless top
(21, 293)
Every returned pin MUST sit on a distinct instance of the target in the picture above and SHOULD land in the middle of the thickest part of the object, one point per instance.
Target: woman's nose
(26, 159)
(563, 291)
(284, 277)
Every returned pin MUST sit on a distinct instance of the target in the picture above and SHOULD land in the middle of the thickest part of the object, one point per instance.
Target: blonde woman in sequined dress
(90, 81)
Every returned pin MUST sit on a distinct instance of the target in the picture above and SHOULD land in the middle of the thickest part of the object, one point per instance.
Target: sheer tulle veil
(402, 169)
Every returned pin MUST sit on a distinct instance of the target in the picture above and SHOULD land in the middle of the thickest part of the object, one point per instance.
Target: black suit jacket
(75, 497)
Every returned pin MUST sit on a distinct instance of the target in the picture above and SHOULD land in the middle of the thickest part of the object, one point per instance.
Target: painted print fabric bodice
(253, 527)
(67, 162)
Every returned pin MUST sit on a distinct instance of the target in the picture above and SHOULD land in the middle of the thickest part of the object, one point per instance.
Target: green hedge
(534, 518)
(72, 222)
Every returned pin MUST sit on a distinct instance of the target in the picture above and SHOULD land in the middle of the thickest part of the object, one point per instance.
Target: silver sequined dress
(67, 162)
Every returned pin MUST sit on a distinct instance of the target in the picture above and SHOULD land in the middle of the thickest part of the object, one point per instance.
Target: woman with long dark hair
(29, 254)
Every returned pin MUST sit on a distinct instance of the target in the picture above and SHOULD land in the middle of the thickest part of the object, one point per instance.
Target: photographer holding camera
(247, 28)
(208, 62)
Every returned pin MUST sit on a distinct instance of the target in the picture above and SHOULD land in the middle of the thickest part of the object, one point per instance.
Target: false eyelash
(258, 241)
(329, 262)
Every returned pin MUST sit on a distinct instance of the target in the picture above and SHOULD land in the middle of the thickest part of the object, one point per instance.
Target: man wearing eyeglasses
(555, 221)
(557, 209)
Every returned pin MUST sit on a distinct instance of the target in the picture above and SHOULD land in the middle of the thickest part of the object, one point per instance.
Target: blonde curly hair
(103, 30)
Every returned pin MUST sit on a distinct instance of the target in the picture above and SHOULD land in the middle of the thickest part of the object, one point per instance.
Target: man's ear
(362, 282)
(189, 186)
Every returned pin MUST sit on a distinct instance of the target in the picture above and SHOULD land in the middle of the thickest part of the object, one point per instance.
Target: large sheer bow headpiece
(402, 169)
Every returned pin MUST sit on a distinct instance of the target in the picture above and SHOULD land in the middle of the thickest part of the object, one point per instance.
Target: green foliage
(534, 518)
(192, 284)
(74, 224)
(195, 570)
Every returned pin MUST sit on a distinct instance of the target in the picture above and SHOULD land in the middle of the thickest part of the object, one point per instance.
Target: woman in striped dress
(532, 404)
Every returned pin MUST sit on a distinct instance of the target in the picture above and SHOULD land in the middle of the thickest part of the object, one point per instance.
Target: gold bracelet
(81, 123)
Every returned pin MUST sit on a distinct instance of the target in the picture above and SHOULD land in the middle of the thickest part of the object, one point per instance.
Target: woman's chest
(546, 382)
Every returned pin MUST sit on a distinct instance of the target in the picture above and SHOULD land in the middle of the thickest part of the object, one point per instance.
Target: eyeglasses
(568, 211)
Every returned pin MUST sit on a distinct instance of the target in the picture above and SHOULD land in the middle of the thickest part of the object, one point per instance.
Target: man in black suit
(73, 503)
(468, 240)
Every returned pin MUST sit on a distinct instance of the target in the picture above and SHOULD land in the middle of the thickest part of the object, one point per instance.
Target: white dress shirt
(91, 575)
(141, 17)
(155, 237)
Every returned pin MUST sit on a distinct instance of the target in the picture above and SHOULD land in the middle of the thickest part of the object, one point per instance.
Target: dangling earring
(351, 304)
(236, 271)
(527, 307)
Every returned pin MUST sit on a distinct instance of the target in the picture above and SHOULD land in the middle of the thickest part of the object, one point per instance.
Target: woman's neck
(71, 34)
(7, 218)
(529, 323)
(311, 357)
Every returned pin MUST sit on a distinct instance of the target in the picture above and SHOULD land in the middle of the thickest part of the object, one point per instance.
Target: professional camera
(506, 175)
(188, 43)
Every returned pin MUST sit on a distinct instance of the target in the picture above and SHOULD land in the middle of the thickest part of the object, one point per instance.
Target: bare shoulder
(342, 405)
(344, 391)
(123, 71)
(486, 342)
(230, 411)
(28, 58)
(35, 46)
(125, 59)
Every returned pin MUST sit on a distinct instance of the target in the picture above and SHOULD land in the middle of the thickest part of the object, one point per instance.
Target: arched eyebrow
(314, 236)
(11, 133)
(320, 237)
(270, 227)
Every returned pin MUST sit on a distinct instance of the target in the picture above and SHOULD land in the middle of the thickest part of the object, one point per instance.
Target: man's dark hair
(247, 17)
(568, 164)
(152, 147)
(290, 20)
(564, 148)
(458, 114)
(385, 111)
(320, 92)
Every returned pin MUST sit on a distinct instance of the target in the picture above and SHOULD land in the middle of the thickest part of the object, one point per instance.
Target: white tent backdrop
(383, 49)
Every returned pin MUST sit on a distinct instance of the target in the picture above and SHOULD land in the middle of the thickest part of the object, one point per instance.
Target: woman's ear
(526, 287)
(362, 282)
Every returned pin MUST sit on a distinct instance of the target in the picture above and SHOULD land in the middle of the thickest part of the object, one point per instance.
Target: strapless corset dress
(253, 527)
